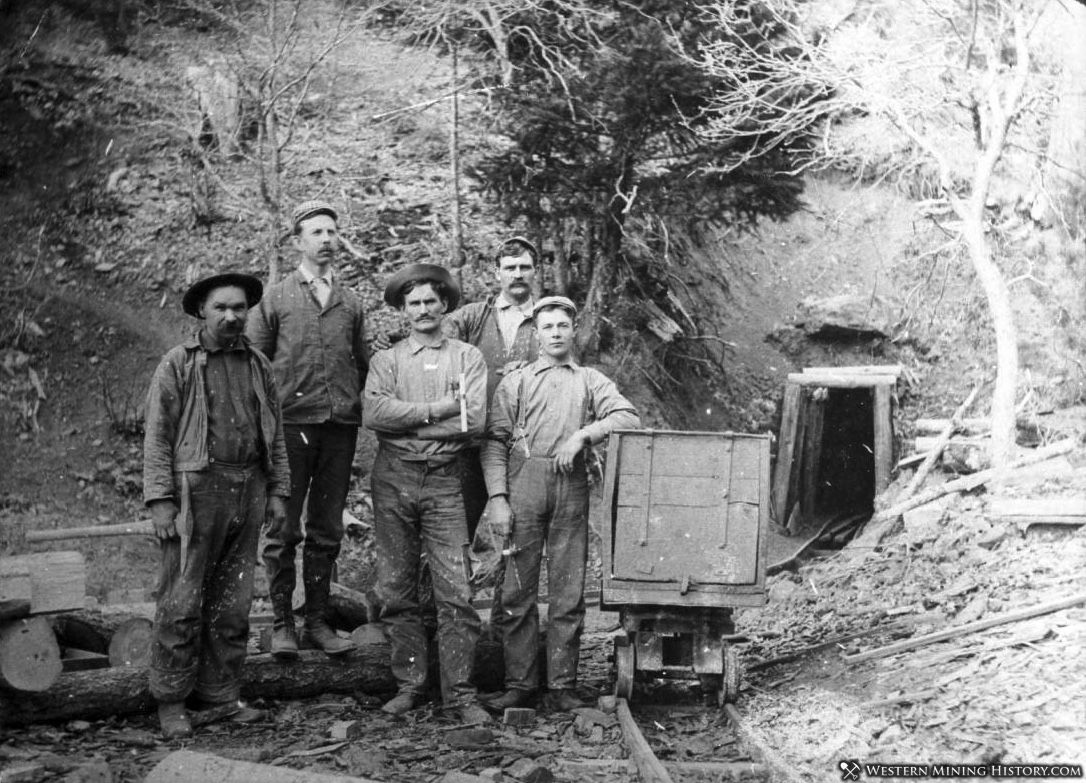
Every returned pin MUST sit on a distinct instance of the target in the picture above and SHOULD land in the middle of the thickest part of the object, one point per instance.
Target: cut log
(967, 426)
(29, 655)
(860, 369)
(51, 581)
(123, 690)
(1037, 509)
(347, 608)
(187, 766)
(841, 379)
(125, 639)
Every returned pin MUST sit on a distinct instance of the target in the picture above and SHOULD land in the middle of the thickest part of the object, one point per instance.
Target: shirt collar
(504, 304)
(417, 346)
(241, 344)
(308, 276)
(542, 364)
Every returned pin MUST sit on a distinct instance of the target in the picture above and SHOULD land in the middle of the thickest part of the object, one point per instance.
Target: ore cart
(684, 543)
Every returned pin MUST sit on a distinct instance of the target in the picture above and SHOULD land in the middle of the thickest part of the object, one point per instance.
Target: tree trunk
(1065, 172)
(457, 259)
(124, 690)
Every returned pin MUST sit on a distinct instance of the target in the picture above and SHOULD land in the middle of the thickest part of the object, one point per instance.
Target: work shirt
(510, 318)
(477, 323)
(402, 382)
(319, 354)
(538, 407)
(232, 428)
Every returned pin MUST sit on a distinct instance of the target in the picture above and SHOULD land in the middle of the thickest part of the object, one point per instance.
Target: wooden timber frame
(795, 473)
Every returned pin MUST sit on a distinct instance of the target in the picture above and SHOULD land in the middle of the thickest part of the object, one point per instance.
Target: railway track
(681, 743)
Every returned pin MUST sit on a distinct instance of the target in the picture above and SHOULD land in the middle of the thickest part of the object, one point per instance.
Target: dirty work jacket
(477, 324)
(318, 354)
(175, 426)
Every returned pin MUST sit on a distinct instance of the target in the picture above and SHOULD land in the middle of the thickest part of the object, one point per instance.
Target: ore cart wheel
(729, 682)
(624, 668)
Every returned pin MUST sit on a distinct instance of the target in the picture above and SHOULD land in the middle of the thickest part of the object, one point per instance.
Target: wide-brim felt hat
(199, 290)
(421, 272)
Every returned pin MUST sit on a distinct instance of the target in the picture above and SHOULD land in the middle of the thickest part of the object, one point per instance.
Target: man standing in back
(500, 327)
(311, 328)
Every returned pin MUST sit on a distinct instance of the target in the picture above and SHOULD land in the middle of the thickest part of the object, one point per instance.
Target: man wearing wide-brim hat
(543, 419)
(426, 399)
(215, 469)
(311, 327)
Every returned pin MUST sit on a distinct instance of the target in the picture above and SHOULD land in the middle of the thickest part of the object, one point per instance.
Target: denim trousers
(418, 510)
(202, 617)
(320, 457)
(550, 511)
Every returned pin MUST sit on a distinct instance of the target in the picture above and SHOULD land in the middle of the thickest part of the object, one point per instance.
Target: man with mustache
(311, 328)
(543, 418)
(215, 467)
(500, 327)
(425, 398)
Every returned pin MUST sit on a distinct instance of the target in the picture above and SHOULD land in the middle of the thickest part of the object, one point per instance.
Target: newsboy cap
(547, 302)
(421, 272)
(199, 290)
(309, 209)
(501, 252)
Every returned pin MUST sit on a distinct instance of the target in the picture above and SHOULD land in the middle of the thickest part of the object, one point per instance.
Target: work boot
(284, 641)
(514, 697)
(174, 720)
(561, 700)
(317, 578)
(400, 703)
(320, 634)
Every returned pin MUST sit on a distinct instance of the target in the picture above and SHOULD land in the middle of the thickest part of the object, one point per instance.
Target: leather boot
(284, 641)
(317, 578)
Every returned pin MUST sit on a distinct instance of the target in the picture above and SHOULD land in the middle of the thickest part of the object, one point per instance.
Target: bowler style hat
(199, 290)
(555, 301)
(310, 208)
(421, 272)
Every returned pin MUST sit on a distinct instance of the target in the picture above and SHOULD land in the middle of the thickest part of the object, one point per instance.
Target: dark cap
(421, 272)
(310, 208)
(199, 290)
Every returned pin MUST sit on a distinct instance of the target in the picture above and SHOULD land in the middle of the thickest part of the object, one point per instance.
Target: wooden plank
(786, 444)
(884, 438)
(51, 581)
(633, 593)
(840, 380)
(73, 659)
(812, 452)
(15, 608)
(968, 628)
(143, 527)
(861, 369)
(649, 768)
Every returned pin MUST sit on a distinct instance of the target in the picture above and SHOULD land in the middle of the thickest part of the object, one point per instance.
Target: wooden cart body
(684, 542)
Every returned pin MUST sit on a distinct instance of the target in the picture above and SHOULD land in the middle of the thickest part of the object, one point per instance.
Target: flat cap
(309, 209)
(421, 272)
(532, 249)
(199, 290)
(548, 302)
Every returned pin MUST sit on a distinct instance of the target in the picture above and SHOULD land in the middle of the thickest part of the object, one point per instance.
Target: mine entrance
(834, 451)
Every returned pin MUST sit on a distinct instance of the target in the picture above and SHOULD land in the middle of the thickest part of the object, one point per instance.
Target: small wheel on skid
(624, 668)
(729, 682)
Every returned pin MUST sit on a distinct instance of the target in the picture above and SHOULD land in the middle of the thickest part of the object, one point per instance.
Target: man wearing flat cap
(311, 328)
(426, 399)
(500, 327)
(543, 418)
(215, 468)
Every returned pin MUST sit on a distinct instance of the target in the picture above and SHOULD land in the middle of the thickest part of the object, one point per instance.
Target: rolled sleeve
(494, 454)
(382, 410)
(611, 410)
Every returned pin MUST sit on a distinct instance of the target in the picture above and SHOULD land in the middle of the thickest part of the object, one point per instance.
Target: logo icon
(850, 770)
